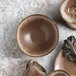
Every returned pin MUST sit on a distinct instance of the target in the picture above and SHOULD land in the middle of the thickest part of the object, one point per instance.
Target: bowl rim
(58, 70)
(46, 53)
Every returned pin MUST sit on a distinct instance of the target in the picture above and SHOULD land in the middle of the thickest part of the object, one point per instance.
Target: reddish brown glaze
(37, 35)
(33, 71)
(64, 64)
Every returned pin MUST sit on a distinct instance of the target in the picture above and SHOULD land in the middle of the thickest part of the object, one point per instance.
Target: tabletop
(12, 59)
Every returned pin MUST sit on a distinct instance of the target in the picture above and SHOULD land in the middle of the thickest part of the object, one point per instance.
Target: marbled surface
(12, 59)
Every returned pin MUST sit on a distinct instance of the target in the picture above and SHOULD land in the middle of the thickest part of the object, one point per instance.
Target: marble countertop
(12, 59)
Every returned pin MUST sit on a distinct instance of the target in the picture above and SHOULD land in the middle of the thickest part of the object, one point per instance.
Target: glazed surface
(37, 35)
(59, 74)
(33, 71)
(65, 64)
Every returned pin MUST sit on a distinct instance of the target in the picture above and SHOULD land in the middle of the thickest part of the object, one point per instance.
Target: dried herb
(73, 11)
(69, 48)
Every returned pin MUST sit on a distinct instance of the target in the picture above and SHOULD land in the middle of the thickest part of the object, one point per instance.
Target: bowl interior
(37, 35)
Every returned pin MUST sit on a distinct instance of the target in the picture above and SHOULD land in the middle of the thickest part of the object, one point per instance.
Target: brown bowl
(64, 64)
(68, 12)
(37, 35)
(33, 68)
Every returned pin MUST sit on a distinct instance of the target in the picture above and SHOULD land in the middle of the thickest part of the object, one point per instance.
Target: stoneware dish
(37, 35)
(68, 12)
(66, 59)
(33, 68)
